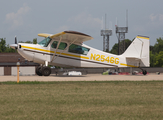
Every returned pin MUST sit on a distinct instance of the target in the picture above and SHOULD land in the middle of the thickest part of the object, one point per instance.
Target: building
(8, 64)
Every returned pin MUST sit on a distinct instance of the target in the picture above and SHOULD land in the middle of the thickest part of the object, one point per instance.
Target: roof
(10, 59)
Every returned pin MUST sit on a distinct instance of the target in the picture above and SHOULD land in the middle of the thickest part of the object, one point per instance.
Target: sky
(26, 18)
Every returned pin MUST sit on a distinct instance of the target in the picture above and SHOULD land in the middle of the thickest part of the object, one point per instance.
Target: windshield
(45, 42)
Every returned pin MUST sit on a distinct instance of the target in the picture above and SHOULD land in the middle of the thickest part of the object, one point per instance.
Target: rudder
(139, 50)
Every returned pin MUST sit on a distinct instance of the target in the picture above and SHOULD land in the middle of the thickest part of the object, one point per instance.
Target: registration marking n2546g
(102, 58)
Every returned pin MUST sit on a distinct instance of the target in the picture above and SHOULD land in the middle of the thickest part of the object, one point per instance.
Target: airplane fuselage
(94, 57)
(67, 49)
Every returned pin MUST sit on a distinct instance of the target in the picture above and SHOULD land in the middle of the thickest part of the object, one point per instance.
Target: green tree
(114, 49)
(2, 45)
(4, 48)
(152, 59)
(151, 48)
(158, 46)
(25, 41)
(35, 41)
(159, 59)
(28, 42)
(156, 52)
(9, 49)
(127, 43)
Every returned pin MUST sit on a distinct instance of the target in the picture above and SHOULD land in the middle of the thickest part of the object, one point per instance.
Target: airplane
(66, 49)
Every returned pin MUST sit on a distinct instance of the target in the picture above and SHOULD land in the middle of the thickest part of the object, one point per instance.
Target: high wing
(44, 35)
(69, 36)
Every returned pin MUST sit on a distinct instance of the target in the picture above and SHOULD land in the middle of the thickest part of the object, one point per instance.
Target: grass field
(122, 100)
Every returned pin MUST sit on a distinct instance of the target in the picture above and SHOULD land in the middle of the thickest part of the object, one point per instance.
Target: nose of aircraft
(26, 50)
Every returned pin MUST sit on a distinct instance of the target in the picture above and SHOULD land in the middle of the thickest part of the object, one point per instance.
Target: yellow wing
(44, 35)
(69, 36)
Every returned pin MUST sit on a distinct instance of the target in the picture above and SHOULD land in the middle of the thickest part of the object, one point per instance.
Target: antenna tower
(105, 33)
(120, 31)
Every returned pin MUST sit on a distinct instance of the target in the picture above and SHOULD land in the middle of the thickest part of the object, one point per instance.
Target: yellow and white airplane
(67, 49)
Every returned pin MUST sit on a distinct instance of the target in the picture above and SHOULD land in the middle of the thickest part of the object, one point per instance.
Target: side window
(54, 44)
(62, 45)
(78, 49)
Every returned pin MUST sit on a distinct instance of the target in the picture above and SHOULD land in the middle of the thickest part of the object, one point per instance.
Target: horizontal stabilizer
(133, 58)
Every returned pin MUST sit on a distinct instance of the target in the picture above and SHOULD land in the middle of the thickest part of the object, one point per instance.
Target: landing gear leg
(144, 71)
(46, 71)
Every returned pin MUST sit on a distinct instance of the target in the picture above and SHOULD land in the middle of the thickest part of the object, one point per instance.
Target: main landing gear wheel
(39, 71)
(46, 71)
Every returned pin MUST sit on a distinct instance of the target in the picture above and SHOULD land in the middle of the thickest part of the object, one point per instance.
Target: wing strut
(62, 51)
(56, 49)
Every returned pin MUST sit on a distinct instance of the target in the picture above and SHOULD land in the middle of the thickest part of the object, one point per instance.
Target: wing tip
(78, 33)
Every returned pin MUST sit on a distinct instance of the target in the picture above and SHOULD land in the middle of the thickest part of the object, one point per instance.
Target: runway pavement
(89, 77)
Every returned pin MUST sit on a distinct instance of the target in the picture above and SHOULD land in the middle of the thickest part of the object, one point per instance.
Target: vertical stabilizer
(139, 50)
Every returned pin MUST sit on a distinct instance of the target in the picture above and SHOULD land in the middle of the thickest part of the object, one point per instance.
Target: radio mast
(105, 33)
(120, 31)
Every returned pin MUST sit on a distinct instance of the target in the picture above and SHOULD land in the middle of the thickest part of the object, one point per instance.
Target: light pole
(18, 64)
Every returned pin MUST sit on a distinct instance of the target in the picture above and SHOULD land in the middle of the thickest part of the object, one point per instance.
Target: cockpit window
(62, 45)
(78, 49)
(45, 42)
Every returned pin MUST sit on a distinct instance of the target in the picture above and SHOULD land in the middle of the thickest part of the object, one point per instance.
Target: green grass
(122, 100)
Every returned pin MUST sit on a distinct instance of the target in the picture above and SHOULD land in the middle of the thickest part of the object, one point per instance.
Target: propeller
(16, 40)
(14, 46)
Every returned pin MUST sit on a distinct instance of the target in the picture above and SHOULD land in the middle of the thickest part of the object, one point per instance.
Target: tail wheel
(144, 72)
(39, 71)
(46, 71)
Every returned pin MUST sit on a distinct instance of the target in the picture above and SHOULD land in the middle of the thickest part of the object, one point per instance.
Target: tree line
(156, 51)
(5, 48)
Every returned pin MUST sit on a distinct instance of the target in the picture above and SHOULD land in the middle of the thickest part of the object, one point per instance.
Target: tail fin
(139, 51)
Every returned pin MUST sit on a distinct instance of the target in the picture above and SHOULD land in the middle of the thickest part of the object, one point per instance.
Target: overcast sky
(27, 18)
